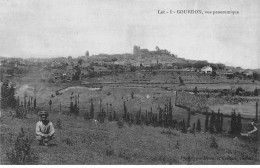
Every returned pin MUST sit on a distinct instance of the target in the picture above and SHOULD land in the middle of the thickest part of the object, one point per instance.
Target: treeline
(162, 117)
(199, 65)
(8, 95)
(214, 122)
(21, 106)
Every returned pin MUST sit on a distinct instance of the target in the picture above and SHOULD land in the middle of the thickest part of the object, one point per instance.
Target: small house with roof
(206, 69)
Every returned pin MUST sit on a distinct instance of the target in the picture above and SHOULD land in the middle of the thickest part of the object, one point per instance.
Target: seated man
(44, 129)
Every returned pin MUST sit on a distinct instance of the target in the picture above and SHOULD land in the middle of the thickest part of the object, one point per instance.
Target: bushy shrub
(20, 113)
(21, 153)
(213, 143)
(86, 116)
(256, 92)
(109, 151)
(68, 142)
(51, 80)
(239, 91)
(198, 128)
(120, 124)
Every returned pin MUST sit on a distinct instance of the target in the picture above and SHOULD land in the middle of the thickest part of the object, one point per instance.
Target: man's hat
(41, 113)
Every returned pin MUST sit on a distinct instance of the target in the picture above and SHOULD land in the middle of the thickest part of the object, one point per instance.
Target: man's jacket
(42, 129)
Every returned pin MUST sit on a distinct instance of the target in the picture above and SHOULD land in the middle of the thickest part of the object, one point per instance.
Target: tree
(221, 121)
(193, 128)
(214, 66)
(80, 61)
(212, 122)
(218, 123)
(256, 92)
(198, 128)
(8, 95)
(76, 76)
(207, 122)
(214, 73)
(132, 95)
(115, 116)
(256, 76)
(125, 111)
(195, 90)
(157, 48)
(71, 107)
(239, 124)
(239, 91)
(50, 103)
(76, 108)
(91, 110)
(87, 54)
(24, 102)
(184, 129)
(188, 121)
(181, 81)
(4, 94)
(18, 101)
(34, 103)
(221, 66)
(36, 88)
(233, 122)
(29, 103)
(200, 64)
(11, 97)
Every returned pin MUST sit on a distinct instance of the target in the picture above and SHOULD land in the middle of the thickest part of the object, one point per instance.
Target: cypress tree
(184, 129)
(11, 97)
(218, 122)
(188, 121)
(170, 111)
(221, 121)
(146, 117)
(91, 110)
(29, 103)
(256, 92)
(114, 116)
(50, 103)
(18, 101)
(212, 122)
(110, 116)
(239, 124)
(207, 122)
(60, 107)
(71, 107)
(193, 128)
(233, 122)
(24, 102)
(4, 94)
(75, 107)
(198, 128)
(195, 90)
(160, 116)
(125, 111)
(34, 103)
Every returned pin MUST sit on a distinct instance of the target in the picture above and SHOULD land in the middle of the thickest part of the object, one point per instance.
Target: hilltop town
(103, 64)
(144, 107)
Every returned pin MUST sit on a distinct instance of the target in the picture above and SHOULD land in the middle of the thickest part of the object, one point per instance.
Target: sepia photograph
(129, 82)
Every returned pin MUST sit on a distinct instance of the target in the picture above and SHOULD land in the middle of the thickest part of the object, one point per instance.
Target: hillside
(84, 142)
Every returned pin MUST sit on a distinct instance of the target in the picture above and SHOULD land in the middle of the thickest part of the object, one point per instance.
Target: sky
(52, 28)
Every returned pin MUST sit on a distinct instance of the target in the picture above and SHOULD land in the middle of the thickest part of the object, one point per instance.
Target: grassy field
(85, 142)
(82, 142)
(246, 110)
